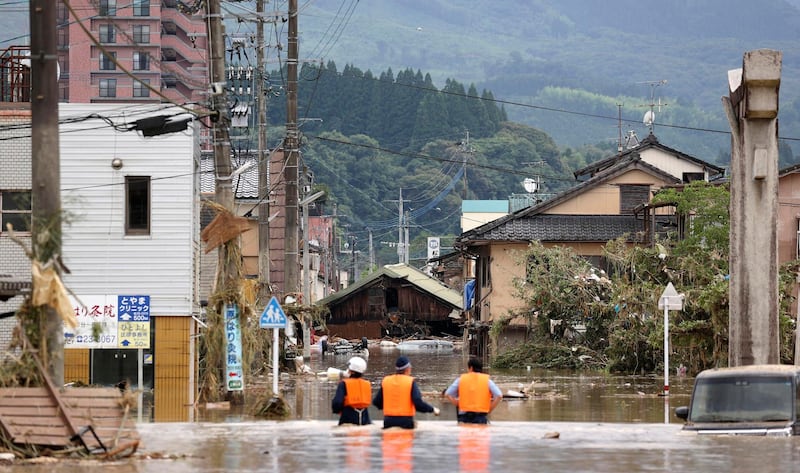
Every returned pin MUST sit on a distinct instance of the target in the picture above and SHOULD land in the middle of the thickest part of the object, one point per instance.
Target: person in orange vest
(474, 394)
(399, 397)
(353, 395)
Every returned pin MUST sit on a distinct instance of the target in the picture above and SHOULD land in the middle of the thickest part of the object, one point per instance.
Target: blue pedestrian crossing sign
(273, 315)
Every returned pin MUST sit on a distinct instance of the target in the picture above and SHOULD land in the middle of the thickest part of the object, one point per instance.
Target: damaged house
(396, 301)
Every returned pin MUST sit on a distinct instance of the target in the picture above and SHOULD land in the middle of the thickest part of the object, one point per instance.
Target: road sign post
(669, 300)
(274, 317)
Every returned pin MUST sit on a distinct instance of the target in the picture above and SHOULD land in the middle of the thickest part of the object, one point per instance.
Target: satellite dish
(649, 118)
(530, 185)
(26, 61)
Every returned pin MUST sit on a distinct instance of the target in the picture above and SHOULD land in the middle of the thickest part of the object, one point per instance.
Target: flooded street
(556, 395)
(602, 423)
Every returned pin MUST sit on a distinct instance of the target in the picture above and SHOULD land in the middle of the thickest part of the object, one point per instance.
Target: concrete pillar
(752, 110)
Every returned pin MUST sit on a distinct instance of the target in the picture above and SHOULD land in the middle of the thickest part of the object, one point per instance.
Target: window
(484, 272)
(141, 34)
(15, 208)
(141, 8)
(108, 87)
(140, 88)
(631, 196)
(797, 255)
(108, 8)
(62, 37)
(693, 176)
(108, 34)
(62, 14)
(107, 61)
(141, 61)
(137, 205)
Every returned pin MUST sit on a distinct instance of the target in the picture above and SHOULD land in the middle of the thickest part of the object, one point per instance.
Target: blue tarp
(469, 294)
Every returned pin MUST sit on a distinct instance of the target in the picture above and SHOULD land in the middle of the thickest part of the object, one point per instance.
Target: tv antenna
(649, 119)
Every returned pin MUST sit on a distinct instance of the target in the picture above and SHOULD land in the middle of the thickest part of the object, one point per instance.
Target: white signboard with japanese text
(109, 321)
(433, 247)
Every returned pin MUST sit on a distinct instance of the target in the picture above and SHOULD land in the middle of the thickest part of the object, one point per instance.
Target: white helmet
(357, 364)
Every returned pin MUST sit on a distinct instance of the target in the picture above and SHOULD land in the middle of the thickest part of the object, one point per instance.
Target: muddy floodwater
(573, 422)
(554, 395)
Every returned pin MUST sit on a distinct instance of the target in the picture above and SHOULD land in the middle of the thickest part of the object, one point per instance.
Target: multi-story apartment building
(162, 43)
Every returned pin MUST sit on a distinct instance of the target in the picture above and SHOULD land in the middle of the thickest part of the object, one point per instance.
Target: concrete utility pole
(371, 252)
(406, 242)
(264, 289)
(290, 173)
(402, 247)
(228, 273)
(752, 111)
(222, 145)
(46, 168)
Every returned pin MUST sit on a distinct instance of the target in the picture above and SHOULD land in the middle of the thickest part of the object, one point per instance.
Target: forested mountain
(544, 57)
(370, 137)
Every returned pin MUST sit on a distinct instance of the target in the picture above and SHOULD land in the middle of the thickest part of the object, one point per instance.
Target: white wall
(101, 258)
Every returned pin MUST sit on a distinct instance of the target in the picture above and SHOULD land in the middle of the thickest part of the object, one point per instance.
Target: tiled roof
(649, 142)
(483, 232)
(245, 185)
(566, 228)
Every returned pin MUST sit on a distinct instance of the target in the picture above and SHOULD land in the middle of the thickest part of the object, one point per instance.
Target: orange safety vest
(473, 393)
(358, 393)
(397, 395)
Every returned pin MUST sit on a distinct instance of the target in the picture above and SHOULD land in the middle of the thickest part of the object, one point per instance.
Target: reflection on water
(311, 446)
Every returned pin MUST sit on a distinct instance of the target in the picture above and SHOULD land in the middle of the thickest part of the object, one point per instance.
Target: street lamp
(306, 273)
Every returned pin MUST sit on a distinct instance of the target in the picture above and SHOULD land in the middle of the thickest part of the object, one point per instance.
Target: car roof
(751, 370)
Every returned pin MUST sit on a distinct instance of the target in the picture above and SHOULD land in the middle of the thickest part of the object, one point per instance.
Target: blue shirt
(453, 389)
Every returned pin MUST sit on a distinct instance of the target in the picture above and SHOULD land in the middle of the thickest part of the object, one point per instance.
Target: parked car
(745, 400)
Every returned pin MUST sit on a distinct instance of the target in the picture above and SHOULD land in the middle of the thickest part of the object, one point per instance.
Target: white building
(132, 228)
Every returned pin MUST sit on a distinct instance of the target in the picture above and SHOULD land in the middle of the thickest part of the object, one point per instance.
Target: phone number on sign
(86, 339)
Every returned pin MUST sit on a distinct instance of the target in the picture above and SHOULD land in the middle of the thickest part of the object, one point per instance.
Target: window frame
(109, 86)
(107, 61)
(138, 201)
(139, 89)
(141, 7)
(14, 210)
(141, 61)
(140, 33)
(107, 33)
(639, 193)
(107, 8)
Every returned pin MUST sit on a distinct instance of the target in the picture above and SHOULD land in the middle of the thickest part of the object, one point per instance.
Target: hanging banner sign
(234, 375)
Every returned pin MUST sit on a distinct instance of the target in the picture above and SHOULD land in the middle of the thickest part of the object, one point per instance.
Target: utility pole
(401, 247)
(337, 284)
(465, 148)
(290, 172)
(264, 289)
(46, 169)
(371, 251)
(353, 239)
(400, 244)
(228, 273)
(406, 242)
(222, 146)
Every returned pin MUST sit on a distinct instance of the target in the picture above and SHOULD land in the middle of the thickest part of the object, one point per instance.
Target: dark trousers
(473, 418)
(406, 422)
